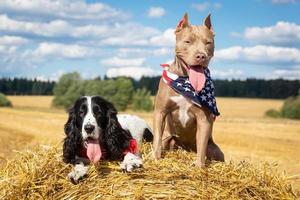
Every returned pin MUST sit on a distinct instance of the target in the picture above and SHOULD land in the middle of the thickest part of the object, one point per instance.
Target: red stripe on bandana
(165, 65)
(165, 76)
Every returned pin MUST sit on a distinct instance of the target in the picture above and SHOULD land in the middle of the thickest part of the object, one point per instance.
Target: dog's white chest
(183, 105)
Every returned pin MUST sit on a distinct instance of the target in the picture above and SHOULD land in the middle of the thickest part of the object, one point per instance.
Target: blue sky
(46, 38)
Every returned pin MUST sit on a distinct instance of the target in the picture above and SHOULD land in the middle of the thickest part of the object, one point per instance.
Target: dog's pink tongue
(93, 150)
(197, 78)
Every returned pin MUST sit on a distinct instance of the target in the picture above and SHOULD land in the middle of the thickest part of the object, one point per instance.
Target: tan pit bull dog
(175, 114)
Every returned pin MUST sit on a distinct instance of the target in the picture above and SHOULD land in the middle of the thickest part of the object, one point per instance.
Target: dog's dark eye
(96, 109)
(81, 113)
(208, 42)
(82, 110)
(187, 41)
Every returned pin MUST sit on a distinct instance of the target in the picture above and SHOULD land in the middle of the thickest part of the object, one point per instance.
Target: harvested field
(242, 131)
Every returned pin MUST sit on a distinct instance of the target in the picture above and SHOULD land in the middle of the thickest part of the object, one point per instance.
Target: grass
(242, 131)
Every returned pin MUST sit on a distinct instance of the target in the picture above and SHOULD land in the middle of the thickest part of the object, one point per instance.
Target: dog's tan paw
(200, 164)
(156, 155)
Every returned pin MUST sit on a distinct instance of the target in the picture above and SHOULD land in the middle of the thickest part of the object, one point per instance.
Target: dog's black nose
(89, 128)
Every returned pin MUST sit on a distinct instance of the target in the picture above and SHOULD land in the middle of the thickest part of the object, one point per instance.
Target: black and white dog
(94, 131)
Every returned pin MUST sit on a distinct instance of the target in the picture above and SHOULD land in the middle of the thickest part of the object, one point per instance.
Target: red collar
(132, 148)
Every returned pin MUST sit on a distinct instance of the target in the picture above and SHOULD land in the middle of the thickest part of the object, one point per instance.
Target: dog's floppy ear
(72, 140)
(184, 22)
(116, 138)
(71, 122)
(207, 22)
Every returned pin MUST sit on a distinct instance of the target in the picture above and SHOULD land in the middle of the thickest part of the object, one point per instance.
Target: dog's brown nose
(201, 57)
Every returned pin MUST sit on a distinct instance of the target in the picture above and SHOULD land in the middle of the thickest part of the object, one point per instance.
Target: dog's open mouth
(197, 77)
(93, 150)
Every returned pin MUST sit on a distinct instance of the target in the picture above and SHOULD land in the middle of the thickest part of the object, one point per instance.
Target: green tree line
(23, 86)
(256, 88)
(252, 88)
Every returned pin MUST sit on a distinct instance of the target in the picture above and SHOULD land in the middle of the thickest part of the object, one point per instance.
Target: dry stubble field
(242, 131)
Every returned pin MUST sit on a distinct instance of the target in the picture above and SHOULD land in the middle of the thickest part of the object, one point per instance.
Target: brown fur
(196, 133)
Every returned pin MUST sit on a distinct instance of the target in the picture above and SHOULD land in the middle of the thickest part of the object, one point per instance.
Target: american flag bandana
(182, 85)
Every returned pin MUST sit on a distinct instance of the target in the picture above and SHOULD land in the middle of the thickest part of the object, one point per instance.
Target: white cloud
(136, 35)
(52, 77)
(113, 34)
(284, 1)
(201, 6)
(53, 28)
(144, 52)
(123, 62)
(282, 33)
(59, 31)
(167, 38)
(292, 73)
(12, 40)
(134, 72)
(163, 51)
(259, 54)
(235, 34)
(7, 49)
(86, 39)
(168, 62)
(129, 35)
(117, 34)
(156, 12)
(217, 6)
(206, 6)
(10, 44)
(60, 51)
(65, 9)
(231, 53)
(227, 73)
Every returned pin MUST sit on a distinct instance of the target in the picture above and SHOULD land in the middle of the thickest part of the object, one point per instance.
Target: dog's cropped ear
(207, 22)
(183, 23)
(116, 138)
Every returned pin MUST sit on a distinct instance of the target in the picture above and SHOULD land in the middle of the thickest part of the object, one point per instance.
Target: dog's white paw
(79, 172)
(131, 162)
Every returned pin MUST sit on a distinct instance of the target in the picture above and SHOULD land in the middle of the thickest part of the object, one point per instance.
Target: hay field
(31, 101)
(242, 131)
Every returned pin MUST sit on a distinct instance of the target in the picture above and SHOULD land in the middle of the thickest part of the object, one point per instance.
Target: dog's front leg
(158, 124)
(79, 171)
(204, 131)
(130, 162)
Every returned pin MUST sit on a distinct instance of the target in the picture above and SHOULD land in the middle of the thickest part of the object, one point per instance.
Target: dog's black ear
(71, 123)
(69, 150)
(116, 138)
(72, 140)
